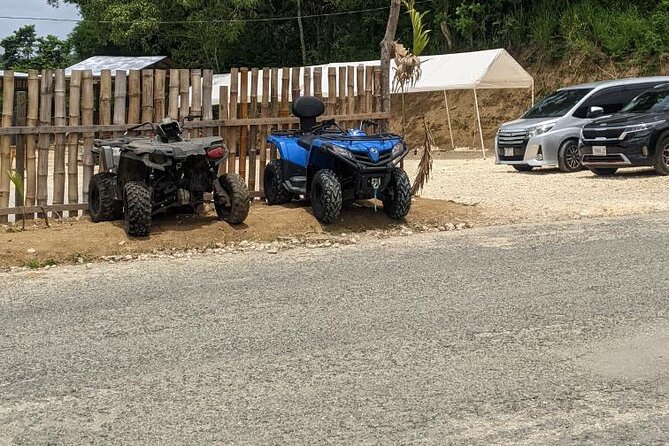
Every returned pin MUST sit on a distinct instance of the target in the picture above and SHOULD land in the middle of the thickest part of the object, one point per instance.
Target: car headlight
(540, 130)
(341, 151)
(398, 149)
(641, 130)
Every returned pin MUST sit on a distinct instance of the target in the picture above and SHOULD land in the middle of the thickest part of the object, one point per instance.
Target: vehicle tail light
(216, 153)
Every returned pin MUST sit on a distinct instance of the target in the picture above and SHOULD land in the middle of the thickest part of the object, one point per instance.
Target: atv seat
(308, 108)
(306, 141)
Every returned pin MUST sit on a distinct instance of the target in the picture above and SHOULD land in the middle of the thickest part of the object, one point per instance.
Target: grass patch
(38, 264)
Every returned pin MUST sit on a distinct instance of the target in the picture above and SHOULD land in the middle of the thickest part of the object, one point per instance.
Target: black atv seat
(306, 141)
(308, 108)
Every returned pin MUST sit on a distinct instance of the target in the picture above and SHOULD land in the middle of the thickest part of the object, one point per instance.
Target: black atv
(144, 176)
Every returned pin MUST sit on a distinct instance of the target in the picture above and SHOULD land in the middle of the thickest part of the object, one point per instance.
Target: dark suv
(637, 136)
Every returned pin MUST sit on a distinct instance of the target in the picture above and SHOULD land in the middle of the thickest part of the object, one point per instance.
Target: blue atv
(334, 167)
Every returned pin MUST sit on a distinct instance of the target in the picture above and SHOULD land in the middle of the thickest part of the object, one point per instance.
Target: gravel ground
(546, 194)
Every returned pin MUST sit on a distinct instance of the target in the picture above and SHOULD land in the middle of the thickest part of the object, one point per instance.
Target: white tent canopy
(479, 70)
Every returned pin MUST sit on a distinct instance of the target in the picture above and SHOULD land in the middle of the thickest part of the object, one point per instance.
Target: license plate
(599, 150)
(508, 151)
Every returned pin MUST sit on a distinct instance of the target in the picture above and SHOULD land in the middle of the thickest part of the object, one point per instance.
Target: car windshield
(557, 104)
(651, 101)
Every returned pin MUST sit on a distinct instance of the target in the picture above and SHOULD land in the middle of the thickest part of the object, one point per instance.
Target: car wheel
(569, 156)
(604, 171)
(662, 156)
(275, 193)
(326, 199)
(137, 209)
(102, 202)
(523, 167)
(397, 196)
(240, 202)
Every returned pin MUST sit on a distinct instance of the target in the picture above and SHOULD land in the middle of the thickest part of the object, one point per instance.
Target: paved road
(553, 334)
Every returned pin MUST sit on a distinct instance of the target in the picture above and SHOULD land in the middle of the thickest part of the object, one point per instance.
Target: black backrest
(308, 108)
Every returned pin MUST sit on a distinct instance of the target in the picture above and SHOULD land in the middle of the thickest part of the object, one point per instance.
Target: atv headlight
(398, 149)
(342, 151)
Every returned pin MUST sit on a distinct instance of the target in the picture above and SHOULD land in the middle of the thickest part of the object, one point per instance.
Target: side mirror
(595, 112)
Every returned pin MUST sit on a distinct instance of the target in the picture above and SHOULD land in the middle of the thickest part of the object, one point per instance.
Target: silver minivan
(548, 134)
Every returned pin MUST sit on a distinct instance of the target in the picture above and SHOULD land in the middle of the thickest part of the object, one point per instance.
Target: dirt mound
(67, 241)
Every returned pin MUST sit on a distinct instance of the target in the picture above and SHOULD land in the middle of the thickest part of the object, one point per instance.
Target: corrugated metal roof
(114, 63)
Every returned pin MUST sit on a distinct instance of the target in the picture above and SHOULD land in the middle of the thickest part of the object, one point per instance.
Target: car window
(557, 104)
(611, 99)
(652, 101)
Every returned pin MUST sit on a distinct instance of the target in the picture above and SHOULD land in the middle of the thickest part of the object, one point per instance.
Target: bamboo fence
(56, 129)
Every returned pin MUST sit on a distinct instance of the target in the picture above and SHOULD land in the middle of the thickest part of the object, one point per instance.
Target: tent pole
(448, 115)
(478, 118)
(532, 92)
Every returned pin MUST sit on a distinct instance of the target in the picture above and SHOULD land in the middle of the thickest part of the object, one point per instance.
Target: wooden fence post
(350, 91)
(174, 94)
(6, 140)
(296, 91)
(264, 130)
(87, 104)
(318, 82)
(105, 106)
(224, 132)
(253, 131)
(332, 91)
(147, 95)
(31, 141)
(285, 88)
(378, 99)
(120, 92)
(307, 81)
(274, 84)
(341, 106)
(59, 147)
(184, 93)
(44, 141)
(369, 83)
(21, 119)
(233, 132)
(159, 95)
(243, 114)
(73, 140)
(134, 96)
(360, 85)
(207, 100)
(196, 95)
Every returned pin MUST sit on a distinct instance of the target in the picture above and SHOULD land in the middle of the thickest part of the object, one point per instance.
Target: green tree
(23, 50)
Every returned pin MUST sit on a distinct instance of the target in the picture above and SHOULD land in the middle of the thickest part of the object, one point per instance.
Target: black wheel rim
(572, 156)
(665, 155)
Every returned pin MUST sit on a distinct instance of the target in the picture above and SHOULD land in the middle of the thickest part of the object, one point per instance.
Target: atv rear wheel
(326, 199)
(397, 196)
(236, 211)
(102, 202)
(275, 193)
(137, 209)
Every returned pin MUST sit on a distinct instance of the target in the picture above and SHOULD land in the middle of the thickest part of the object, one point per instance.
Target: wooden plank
(253, 131)
(159, 95)
(236, 122)
(331, 106)
(350, 90)
(105, 116)
(207, 100)
(243, 114)
(224, 132)
(285, 89)
(5, 141)
(318, 82)
(264, 129)
(184, 93)
(341, 94)
(360, 85)
(59, 147)
(73, 138)
(147, 95)
(296, 91)
(307, 81)
(46, 100)
(232, 111)
(31, 140)
(274, 74)
(196, 93)
(87, 119)
(49, 208)
(134, 96)
(369, 85)
(21, 119)
(120, 92)
(174, 95)
(378, 100)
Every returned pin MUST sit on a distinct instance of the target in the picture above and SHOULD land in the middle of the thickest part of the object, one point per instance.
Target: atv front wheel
(102, 202)
(236, 211)
(397, 196)
(326, 199)
(275, 193)
(137, 209)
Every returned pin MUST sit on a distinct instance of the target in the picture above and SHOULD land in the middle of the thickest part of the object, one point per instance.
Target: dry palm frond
(425, 164)
(408, 69)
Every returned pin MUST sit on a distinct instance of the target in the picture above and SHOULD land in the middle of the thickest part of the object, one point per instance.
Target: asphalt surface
(544, 334)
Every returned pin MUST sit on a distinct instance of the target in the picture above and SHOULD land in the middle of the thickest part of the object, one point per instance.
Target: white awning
(490, 69)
